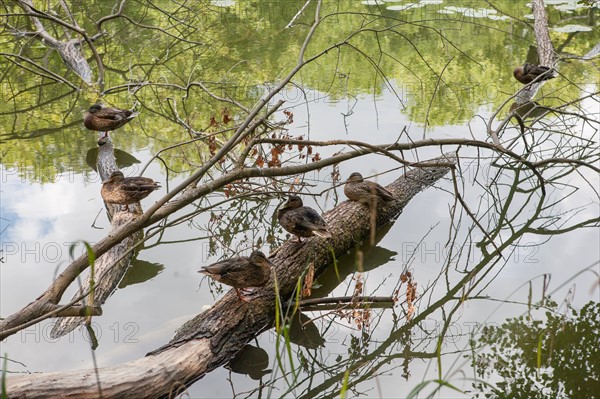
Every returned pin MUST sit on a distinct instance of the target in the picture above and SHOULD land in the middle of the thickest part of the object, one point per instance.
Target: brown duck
(300, 220)
(530, 72)
(104, 119)
(242, 273)
(118, 189)
(366, 192)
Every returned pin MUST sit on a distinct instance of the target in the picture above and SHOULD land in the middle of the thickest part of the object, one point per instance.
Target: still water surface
(50, 199)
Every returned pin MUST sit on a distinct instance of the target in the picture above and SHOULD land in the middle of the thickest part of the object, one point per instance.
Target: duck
(366, 192)
(118, 189)
(530, 72)
(105, 119)
(242, 273)
(301, 221)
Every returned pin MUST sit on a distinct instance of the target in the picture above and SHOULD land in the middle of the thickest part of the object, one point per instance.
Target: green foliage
(567, 349)
(428, 59)
(3, 394)
(344, 389)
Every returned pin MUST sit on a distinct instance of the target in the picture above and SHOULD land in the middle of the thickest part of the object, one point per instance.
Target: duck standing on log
(300, 220)
(105, 119)
(118, 189)
(369, 193)
(366, 192)
(530, 72)
(242, 273)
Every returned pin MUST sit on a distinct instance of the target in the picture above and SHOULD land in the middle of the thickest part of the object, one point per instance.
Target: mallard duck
(118, 189)
(242, 273)
(530, 72)
(366, 192)
(104, 119)
(300, 220)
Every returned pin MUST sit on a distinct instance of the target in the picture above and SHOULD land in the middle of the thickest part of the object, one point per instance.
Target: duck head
(115, 177)
(95, 108)
(355, 178)
(257, 257)
(293, 202)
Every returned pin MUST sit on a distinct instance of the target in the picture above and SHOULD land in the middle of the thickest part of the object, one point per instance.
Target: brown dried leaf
(358, 288)
(279, 149)
(260, 161)
(395, 298)
(226, 116)
(229, 190)
(308, 280)
(357, 316)
(289, 116)
(274, 162)
(411, 292)
(301, 146)
(409, 312)
(212, 145)
(411, 297)
(335, 176)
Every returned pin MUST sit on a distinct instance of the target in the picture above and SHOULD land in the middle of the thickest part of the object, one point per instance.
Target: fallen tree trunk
(213, 337)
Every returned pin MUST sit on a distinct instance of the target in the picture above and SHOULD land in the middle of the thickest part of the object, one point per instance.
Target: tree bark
(213, 337)
(546, 52)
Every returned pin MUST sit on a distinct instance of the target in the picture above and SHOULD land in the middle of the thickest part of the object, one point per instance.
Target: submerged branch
(342, 302)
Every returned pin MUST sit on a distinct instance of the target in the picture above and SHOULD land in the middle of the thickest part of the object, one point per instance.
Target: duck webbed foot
(246, 294)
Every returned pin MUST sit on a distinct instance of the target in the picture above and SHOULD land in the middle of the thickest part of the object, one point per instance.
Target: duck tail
(323, 233)
(385, 195)
(548, 72)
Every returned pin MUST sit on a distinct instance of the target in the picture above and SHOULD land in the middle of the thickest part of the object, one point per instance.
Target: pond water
(416, 70)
